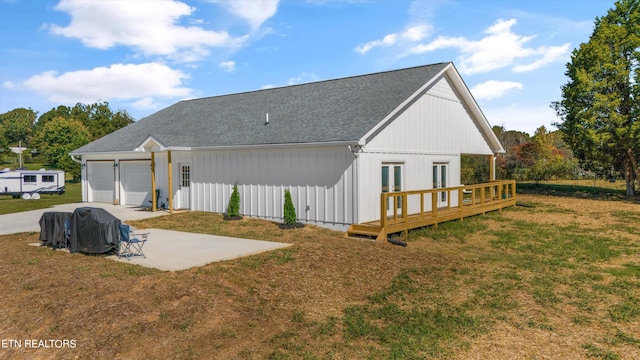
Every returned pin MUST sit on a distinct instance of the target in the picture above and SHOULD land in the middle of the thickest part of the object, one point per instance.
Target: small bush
(289, 210)
(233, 209)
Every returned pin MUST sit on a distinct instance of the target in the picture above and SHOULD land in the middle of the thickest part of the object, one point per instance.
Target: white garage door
(135, 177)
(101, 181)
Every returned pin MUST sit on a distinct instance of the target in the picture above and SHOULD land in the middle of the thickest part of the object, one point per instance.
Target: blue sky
(144, 55)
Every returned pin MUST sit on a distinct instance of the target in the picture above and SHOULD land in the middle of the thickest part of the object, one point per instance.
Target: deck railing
(419, 208)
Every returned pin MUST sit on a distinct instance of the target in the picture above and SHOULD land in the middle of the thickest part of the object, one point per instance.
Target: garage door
(101, 182)
(135, 177)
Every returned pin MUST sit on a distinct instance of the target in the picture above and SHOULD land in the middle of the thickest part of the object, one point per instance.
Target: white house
(335, 145)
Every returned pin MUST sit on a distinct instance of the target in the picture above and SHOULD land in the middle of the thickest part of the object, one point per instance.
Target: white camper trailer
(29, 184)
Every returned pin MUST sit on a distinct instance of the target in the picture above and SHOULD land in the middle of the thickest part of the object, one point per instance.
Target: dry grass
(559, 279)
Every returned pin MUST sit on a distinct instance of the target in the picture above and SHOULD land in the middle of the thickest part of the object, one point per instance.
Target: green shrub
(289, 210)
(233, 210)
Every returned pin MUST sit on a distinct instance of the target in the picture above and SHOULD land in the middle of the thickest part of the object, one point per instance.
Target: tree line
(598, 127)
(51, 136)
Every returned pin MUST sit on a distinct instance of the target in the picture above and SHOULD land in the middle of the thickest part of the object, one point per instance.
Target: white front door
(184, 186)
(440, 181)
(392, 182)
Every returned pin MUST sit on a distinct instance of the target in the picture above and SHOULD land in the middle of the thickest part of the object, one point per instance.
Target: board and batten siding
(435, 129)
(321, 181)
(437, 122)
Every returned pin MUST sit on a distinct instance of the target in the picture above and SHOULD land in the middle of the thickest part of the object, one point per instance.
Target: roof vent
(266, 121)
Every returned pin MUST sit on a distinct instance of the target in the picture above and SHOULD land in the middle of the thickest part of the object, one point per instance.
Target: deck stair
(365, 231)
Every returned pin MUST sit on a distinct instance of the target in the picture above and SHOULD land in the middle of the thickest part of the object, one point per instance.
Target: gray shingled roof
(326, 111)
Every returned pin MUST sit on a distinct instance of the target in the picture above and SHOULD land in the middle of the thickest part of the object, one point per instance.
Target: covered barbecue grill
(94, 231)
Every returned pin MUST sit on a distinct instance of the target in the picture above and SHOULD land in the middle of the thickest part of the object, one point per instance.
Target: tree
(60, 136)
(601, 101)
(233, 209)
(18, 125)
(290, 216)
(4, 144)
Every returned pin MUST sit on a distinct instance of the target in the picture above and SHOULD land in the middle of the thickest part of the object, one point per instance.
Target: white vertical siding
(437, 122)
(320, 180)
(436, 128)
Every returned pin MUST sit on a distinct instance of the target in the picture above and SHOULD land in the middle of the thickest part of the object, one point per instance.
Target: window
(29, 179)
(47, 178)
(186, 175)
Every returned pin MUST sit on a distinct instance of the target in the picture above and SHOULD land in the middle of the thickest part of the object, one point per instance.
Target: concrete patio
(165, 249)
(174, 250)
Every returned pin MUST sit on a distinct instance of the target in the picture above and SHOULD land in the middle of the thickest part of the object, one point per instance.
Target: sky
(144, 55)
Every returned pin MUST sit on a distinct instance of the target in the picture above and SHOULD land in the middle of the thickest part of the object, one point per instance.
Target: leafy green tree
(99, 119)
(233, 209)
(4, 144)
(61, 136)
(290, 216)
(508, 165)
(601, 101)
(18, 126)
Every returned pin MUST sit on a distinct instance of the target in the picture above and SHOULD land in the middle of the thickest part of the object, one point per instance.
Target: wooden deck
(418, 208)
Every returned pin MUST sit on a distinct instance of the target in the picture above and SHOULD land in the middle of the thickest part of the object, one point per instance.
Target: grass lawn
(72, 195)
(556, 278)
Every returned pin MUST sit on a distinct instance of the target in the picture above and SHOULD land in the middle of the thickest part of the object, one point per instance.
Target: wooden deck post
(405, 197)
(383, 211)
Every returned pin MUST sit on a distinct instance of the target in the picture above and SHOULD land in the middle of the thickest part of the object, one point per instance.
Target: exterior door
(392, 182)
(184, 186)
(440, 181)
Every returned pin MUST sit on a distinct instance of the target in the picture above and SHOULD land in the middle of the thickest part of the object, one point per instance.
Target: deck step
(363, 231)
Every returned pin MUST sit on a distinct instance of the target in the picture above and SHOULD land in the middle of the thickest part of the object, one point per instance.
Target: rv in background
(29, 184)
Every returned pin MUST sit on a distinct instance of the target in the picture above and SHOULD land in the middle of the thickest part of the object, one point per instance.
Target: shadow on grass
(576, 191)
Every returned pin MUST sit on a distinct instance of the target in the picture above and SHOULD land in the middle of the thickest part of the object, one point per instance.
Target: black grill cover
(94, 231)
(52, 228)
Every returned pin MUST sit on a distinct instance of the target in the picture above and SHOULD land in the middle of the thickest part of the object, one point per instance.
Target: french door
(440, 181)
(392, 182)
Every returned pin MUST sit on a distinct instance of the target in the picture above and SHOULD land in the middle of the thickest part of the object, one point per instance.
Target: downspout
(170, 171)
(154, 204)
(82, 183)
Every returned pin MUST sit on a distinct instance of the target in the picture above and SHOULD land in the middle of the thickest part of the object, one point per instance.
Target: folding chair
(67, 234)
(130, 244)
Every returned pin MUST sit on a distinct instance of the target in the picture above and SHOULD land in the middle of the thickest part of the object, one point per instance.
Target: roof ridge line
(315, 82)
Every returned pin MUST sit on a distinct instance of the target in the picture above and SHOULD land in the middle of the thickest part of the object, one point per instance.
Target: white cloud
(549, 55)
(119, 81)
(146, 103)
(499, 48)
(494, 89)
(151, 28)
(228, 66)
(410, 35)
(521, 117)
(255, 12)
(303, 78)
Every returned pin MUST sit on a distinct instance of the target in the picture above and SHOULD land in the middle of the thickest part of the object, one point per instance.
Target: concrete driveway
(27, 221)
(165, 250)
